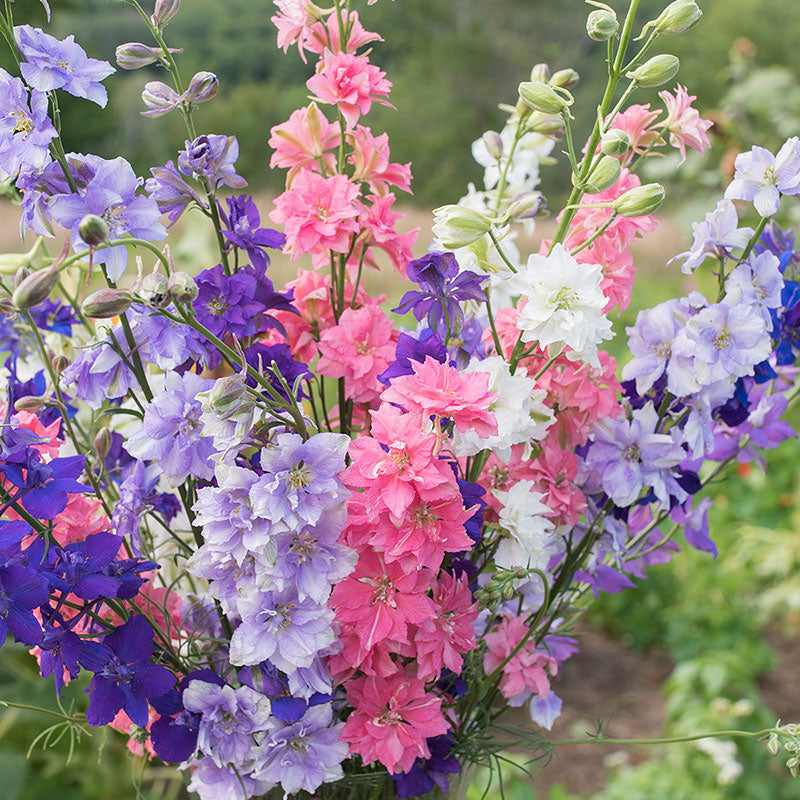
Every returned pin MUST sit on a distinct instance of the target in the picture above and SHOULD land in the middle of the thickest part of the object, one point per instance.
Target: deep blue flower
(21, 590)
(43, 488)
(129, 678)
(62, 649)
(11, 535)
(780, 243)
(243, 221)
(443, 289)
(429, 773)
(472, 495)
(82, 567)
(261, 356)
(408, 349)
(53, 315)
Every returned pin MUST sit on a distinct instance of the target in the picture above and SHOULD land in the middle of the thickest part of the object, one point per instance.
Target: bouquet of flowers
(303, 550)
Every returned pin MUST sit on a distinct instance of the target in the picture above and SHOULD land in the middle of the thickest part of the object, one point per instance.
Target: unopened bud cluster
(501, 587)
(786, 738)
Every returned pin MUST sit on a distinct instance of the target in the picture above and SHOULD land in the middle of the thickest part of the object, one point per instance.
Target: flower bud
(602, 24)
(203, 86)
(6, 306)
(615, 143)
(154, 290)
(603, 176)
(793, 763)
(541, 97)
(134, 55)
(102, 443)
(182, 287)
(540, 73)
(565, 78)
(106, 303)
(159, 98)
(656, 71)
(774, 745)
(164, 11)
(508, 592)
(494, 144)
(20, 275)
(30, 403)
(678, 17)
(35, 288)
(640, 200)
(93, 230)
(59, 364)
(526, 206)
(227, 395)
(547, 125)
(457, 226)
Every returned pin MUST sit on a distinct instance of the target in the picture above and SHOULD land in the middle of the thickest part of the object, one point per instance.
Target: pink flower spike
(684, 123)
(636, 121)
(441, 390)
(303, 141)
(370, 158)
(325, 36)
(318, 213)
(350, 82)
(392, 719)
(294, 21)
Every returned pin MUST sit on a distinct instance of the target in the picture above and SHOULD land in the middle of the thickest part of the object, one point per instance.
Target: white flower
(523, 170)
(519, 409)
(531, 542)
(564, 305)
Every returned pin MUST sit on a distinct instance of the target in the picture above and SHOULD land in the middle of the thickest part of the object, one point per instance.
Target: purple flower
(80, 567)
(211, 158)
(214, 782)
(443, 289)
(167, 344)
(60, 64)
(25, 128)
(545, 710)
(430, 772)
(762, 177)
(44, 488)
(171, 432)
(695, 525)
(21, 590)
(300, 478)
(62, 649)
(171, 191)
(410, 348)
(780, 242)
(627, 456)
(279, 356)
(717, 235)
(110, 194)
(53, 315)
(757, 282)
(303, 755)
(136, 494)
(242, 221)
(128, 679)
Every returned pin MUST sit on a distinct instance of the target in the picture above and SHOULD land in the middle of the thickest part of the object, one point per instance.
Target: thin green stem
(499, 249)
(26, 707)
(670, 739)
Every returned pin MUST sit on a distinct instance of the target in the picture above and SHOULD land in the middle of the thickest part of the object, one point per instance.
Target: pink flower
(50, 433)
(82, 517)
(619, 271)
(358, 349)
(390, 475)
(370, 157)
(527, 672)
(686, 127)
(392, 719)
(293, 21)
(441, 640)
(318, 213)
(380, 600)
(325, 35)
(553, 472)
(636, 121)
(441, 390)
(302, 141)
(378, 225)
(350, 82)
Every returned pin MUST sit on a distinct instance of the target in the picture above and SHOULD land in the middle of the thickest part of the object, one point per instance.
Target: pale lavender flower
(51, 63)
(628, 455)
(110, 194)
(716, 236)
(695, 524)
(171, 191)
(212, 782)
(305, 754)
(25, 128)
(545, 710)
(171, 433)
(136, 493)
(300, 478)
(211, 157)
(757, 282)
(762, 177)
(281, 629)
(165, 343)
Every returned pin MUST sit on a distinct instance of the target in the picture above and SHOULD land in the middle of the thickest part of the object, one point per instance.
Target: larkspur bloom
(531, 541)
(50, 63)
(564, 305)
(685, 126)
(171, 191)
(25, 129)
(212, 158)
(303, 141)
(242, 221)
(762, 177)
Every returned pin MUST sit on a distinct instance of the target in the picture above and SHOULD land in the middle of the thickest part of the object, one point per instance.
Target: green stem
(499, 249)
(755, 237)
(25, 707)
(670, 739)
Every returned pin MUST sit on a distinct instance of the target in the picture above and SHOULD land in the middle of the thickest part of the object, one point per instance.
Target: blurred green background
(701, 644)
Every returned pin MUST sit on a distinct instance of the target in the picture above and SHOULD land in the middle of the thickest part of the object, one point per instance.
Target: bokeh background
(701, 644)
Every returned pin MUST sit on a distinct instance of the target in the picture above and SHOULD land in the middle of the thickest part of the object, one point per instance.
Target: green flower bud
(657, 71)
(678, 17)
(494, 144)
(134, 55)
(540, 73)
(154, 290)
(35, 288)
(7, 306)
(565, 79)
(527, 206)
(182, 287)
(541, 97)
(106, 303)
(102, 443)
(93, 230)
(603, 175)
(508, 592)
(774, 745)
(164, 11)
(20, 275)
(457, 226)
(601, 25)
(640, 200)
(30, 403)
(615, 143)
(227, 395)
(547, 125)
